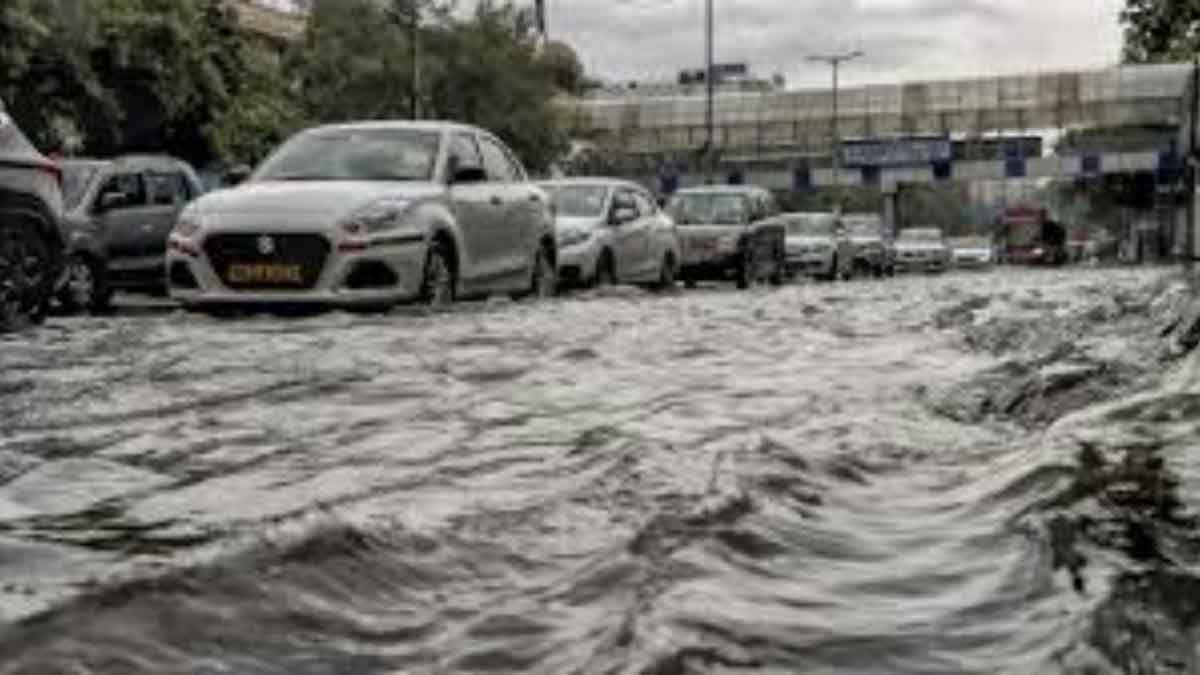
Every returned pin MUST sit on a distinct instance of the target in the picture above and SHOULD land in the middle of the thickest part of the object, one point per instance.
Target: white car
(818, 246)
(922, 249)
(369, 214)
(612, 231)
(973, 252)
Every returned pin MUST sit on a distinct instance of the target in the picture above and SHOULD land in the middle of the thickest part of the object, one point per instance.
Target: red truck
(1031, 237)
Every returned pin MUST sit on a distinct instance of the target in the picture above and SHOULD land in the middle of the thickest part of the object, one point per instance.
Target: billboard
(897, 152)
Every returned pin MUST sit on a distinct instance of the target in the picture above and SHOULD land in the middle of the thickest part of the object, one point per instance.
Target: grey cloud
(650, 39)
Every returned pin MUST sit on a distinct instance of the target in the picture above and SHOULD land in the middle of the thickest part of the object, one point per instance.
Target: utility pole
(836, 61)
(1189, 256)
(709, 86)
(414, 57)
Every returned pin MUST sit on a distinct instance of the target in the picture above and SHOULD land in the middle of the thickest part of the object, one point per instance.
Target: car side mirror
(624, 214)
(238, 174)
(111, 201)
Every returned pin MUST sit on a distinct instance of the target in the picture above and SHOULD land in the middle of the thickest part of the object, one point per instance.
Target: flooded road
(976, 473)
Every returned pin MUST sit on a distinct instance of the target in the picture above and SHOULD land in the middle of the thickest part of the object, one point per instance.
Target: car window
(167, 189)
(495, 162)
(514, 165)
(645, 205)
(129, 184)
(464, 147)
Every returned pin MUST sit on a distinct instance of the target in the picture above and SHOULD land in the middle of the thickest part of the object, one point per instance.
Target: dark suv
(31, 241)
(119, 215)
(729, 232)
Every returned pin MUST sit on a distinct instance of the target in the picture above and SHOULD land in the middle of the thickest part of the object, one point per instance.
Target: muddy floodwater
(973, 473)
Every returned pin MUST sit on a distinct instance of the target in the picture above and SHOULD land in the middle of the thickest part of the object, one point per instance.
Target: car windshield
(76, 179)
(354, 154)
(816, 225)
(973, 242)
(921, 234)
(578, 201)
(710, 209)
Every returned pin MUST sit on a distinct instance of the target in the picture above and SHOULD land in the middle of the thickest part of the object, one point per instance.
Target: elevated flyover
(779, 125)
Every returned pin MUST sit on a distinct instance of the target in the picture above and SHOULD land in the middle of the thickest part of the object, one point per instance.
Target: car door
(508, 244)
(472, 207)
(645, 254)
(123, 214)
(168, 192)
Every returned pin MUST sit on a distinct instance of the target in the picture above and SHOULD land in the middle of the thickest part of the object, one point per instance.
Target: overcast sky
(904, 39)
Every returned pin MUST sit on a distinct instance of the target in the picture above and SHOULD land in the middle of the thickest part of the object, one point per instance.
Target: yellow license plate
(264, 274)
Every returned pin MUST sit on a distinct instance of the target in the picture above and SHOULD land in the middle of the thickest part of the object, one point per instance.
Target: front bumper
(380, 274)
(812, 264)
(972, 263)
(577, 263)
(716, 267)
(921, 265)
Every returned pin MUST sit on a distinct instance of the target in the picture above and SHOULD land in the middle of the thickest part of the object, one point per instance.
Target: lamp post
(836, 61)
(708, 91)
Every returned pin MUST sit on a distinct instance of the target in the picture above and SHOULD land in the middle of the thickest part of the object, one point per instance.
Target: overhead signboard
(897, 152)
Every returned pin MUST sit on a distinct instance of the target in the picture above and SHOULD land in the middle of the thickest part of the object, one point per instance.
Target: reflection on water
(925, 475)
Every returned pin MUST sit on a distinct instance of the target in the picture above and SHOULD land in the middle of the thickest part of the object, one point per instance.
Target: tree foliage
(1161, 30)
(108, 76)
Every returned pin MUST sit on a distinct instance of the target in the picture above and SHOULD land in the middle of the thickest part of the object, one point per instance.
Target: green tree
(566, 70)
(1161, 30)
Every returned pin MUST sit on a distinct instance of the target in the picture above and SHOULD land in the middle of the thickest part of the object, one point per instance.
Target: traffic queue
(367, 215)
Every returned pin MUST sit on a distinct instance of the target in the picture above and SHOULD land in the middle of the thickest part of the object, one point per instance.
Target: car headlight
(188, 225)
(573, 236)
(376, 216)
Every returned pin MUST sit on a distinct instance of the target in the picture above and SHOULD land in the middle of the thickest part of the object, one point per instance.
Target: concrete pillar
(891, 210)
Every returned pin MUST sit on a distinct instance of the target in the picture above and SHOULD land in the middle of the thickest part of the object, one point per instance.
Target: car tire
(87, 286)
(438, 279)
(746, 271)
(779, 272)
(25, 260)
(832, 274)
(606, 270)
(666, 274)
(543, 281)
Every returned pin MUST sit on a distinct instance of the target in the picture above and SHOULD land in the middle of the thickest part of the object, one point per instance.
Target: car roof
(591, 180)
(723, 189)
(162, 162)
(399, 125)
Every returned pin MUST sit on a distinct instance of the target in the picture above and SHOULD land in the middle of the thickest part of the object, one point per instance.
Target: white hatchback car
(369, 214)
(612, 231)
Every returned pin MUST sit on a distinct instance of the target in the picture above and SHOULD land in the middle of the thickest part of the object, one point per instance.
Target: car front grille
(307, 252)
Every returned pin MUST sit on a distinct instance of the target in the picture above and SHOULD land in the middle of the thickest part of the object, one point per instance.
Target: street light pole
(709, 89)
(415, 55)
(835, 61)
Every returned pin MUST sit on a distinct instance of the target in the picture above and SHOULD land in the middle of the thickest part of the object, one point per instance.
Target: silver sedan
(369, 214)
(612, 231)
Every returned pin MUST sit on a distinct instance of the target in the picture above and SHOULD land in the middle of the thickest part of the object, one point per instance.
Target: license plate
(264, 274)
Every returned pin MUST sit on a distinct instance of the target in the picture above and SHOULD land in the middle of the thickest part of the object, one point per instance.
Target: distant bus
(1030, 237)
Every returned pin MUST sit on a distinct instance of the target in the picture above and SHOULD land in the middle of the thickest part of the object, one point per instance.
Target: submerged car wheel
(666, 273)
(86, 287)
(24, 286)
(747, 272)
(437, 287)
(606, 270)
(543, 282)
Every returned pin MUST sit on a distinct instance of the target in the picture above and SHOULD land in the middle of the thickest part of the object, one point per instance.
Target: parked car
(922, 249)
(119, 215)
(729, 232)
(818, 246)
(972, 252)
(369, 214)
(612, 231)
(874, 253)
(31, 238)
